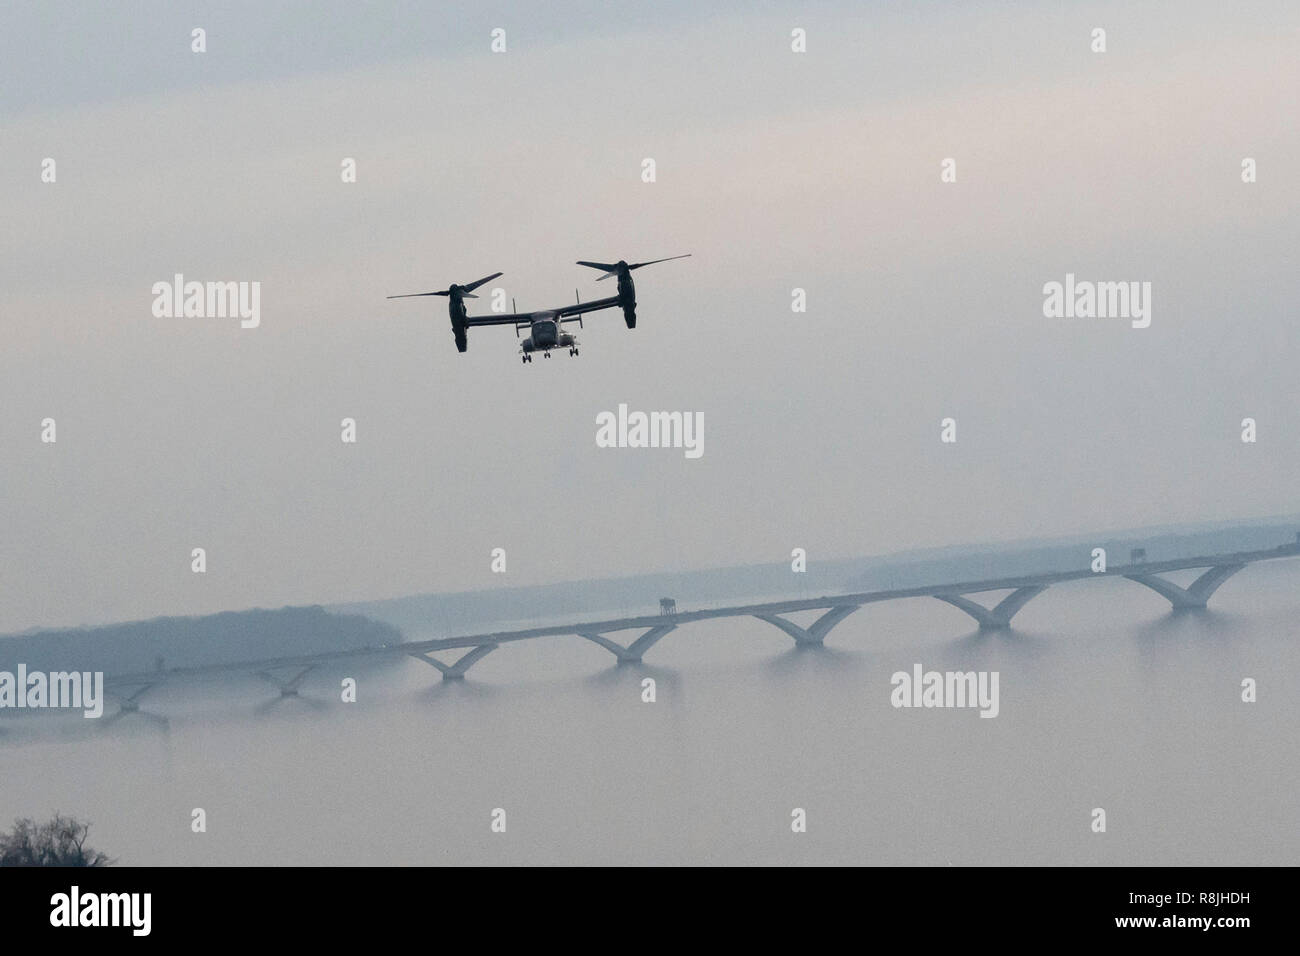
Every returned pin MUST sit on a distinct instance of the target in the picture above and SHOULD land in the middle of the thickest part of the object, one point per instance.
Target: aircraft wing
(580, 308)
(522, 318)
(515, 319)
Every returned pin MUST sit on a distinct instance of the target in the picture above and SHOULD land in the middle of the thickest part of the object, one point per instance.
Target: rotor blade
(412, 295)
(653, 261)
(607, 275)
(468, 295)
(474, 285)
(606, 266)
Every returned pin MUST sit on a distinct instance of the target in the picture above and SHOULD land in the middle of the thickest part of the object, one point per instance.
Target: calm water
(1107, 700)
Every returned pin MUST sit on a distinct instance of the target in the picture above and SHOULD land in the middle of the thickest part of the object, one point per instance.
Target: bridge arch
(998, 617)
(457, 670)
(1197, 594)
(633, 653)
(815, 633)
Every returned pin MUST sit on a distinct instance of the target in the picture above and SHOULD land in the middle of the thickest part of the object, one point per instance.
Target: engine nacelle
(527, 344)
(456, 311)
(627, 297)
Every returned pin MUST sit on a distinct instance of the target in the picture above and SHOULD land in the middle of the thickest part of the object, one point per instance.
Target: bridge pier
(130, 704)
(288, 688)
(456, 671)
(633, 653)
(998, 617)
(815, 633)
(1196, 594)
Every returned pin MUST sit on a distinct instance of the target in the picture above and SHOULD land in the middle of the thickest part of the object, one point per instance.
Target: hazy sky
(775, 170)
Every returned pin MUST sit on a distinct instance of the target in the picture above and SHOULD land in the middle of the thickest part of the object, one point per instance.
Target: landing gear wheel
(548, 354)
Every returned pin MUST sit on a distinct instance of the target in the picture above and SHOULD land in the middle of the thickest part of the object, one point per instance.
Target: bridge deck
(413, 648)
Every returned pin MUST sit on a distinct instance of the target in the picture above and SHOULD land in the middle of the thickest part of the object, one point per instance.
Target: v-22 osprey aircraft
(545, 327)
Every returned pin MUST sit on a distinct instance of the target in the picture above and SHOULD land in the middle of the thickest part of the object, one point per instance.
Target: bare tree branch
(59, 842)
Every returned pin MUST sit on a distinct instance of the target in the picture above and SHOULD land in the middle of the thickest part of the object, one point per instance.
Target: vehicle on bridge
(546, 327)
